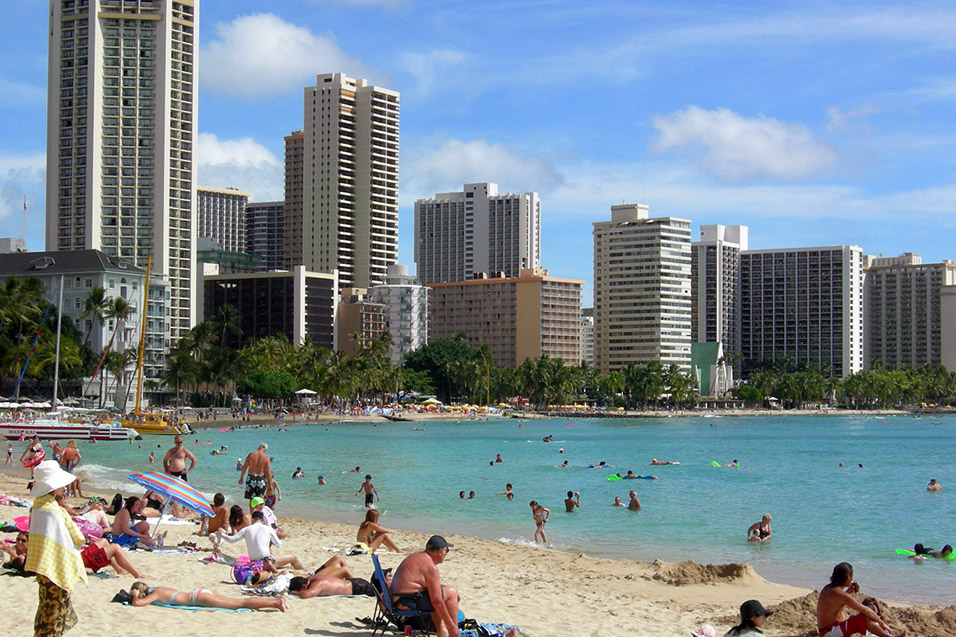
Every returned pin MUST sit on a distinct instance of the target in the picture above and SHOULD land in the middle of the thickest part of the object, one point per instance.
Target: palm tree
(20, 307)
(118, 310)
(94, 308)
(226, 319)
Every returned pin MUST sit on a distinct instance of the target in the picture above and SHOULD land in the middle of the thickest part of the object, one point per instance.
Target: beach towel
(275, 586)
(54, 539)
(225, 610)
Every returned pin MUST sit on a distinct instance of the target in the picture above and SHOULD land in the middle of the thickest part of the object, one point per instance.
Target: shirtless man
(370, 492)
(257, 464)
(837, 594)
(174, 462)
(316, 585)
(219, 519)
(540, 515)
(934, 486)
(417, 585)
(634, 504)
(69, 458)
(573, 500)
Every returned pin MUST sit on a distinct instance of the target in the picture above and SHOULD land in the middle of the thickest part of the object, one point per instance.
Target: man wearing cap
(417, 585)
(52, 551)
(839, 593)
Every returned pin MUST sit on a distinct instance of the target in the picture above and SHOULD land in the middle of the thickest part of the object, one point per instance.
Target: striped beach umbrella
(173, 488)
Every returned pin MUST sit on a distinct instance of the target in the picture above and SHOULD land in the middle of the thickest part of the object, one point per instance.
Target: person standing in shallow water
(540, 515)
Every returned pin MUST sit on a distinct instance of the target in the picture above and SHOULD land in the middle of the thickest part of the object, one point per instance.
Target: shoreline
(540, 589)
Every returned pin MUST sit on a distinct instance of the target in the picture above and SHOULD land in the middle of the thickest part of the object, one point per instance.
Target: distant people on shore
(572, 501)
(540, 515)
(934, 486)
(752, 618)
(760, 531)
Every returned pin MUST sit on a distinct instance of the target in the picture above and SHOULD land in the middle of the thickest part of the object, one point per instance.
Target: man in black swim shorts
(417, 585)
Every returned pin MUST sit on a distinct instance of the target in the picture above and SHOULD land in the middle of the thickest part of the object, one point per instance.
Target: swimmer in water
(508, 492)
(617, 502)
(934, 486)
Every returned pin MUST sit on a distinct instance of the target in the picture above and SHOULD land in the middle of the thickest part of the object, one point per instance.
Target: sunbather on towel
(143, 595)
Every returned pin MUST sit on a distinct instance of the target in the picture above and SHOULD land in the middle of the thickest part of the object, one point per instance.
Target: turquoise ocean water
(789, 467)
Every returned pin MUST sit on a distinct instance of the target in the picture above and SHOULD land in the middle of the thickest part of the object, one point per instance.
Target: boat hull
(54, 430)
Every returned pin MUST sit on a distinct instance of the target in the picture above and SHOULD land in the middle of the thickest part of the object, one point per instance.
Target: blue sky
(812, 123)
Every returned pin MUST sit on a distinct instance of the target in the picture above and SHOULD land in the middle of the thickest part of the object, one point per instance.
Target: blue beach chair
(385, 612)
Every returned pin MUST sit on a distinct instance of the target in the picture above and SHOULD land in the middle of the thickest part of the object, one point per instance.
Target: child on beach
(370, 492)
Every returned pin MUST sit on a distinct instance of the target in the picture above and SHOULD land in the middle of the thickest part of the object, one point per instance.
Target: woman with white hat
(52, 551)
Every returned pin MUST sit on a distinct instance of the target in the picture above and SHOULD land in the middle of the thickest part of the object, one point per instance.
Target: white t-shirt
(258, 538)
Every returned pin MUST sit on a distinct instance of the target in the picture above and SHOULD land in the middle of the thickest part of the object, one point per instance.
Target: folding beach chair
(385, 612)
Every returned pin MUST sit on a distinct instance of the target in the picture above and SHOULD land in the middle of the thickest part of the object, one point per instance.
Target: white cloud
(732, 147)
(22, 176)
(240, 163)
(848, 121)
(262, 55)
(425, 67)
(445, 165)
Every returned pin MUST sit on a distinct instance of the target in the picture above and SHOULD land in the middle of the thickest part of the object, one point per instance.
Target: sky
(812, 123)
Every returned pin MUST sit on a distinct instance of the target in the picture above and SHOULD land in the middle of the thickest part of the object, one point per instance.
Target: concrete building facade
(528, 316)
(121, 121)
(903, 310)
(476, 230)
(587, 336)
(293, 198)
(221, 216)
(715, 281)
(642, 296)
(350, 179)
(406, 311)
(296, 303)
(360, 320)
(804, 305)
(265, 233)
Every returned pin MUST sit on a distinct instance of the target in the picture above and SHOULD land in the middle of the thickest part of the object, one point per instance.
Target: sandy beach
(544, 592)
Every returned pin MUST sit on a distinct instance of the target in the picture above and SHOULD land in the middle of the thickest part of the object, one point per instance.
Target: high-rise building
(406, 311)
(350, 179)
(477, 230)
(715, 281)
(642, 300)
(221, 216)
(903, 310)
(121, 118)
(293, 199)
(265, 233)
(587, 336)
(528, 316)
(803, 305)
(359, 321)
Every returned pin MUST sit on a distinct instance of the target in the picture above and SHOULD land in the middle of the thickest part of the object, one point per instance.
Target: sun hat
(256, 501)
(437, 542)
(48, 476)
(704, 631)
(753, 608)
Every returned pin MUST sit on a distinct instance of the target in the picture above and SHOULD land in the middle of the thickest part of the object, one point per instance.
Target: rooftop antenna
(23, 222)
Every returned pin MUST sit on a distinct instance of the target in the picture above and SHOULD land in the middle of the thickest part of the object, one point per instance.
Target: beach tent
(306, 392)
(431, 401)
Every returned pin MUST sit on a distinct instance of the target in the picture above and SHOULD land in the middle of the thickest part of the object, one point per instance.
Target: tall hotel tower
(121, 116)
(459, 234)
(350, 179)
(641, 289)
(715, 286)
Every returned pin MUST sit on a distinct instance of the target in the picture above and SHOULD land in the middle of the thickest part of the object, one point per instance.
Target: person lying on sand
(143, 595)
(317, 585)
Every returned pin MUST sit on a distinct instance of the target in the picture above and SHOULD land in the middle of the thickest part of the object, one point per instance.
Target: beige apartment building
(528, 316)
(293, 199)
(642, 289)
(359, 321)
(350, 179)
(121, 118)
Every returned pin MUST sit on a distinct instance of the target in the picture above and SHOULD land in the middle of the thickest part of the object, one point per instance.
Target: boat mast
(142, 337)
(56, 359)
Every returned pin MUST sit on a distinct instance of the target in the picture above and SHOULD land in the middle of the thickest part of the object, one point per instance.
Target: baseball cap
(256, 501)
(704, 631)
(753, 608)
(436, 542)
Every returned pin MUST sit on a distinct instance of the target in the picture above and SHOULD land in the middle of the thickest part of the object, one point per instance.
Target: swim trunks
(94, 558)
(271, 501)
(855, 624)
(179, 474)
(255, 486)
(416, 602)
(369, 498)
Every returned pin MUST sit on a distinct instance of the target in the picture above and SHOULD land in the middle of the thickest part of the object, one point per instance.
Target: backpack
(115, 505)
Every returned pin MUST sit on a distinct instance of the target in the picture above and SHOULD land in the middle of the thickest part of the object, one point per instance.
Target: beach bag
(115, 505)
(243, 572)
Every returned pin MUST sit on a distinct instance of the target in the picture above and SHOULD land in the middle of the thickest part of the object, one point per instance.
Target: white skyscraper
(477, 230)
(641, 289)
(350, 179)
(715, 286)
(121, 120)
(406, 311)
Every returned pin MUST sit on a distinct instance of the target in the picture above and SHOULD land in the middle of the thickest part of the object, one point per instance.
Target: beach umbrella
(431, 401)
(172, 488)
